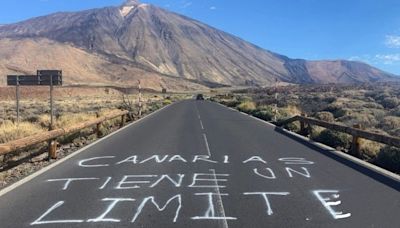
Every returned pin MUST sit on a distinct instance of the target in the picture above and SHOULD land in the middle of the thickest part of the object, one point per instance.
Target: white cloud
(389, 59)
(386, 59)
(362, 58)
(392, 41)
(186, 4)
(355, 58)
(213, 8)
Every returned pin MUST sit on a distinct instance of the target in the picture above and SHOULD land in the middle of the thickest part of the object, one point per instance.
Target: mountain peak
(131, 3)
(128, 6)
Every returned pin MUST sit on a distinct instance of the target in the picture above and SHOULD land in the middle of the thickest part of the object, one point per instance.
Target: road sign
(49, 72)
(25, 80)
(43, 78)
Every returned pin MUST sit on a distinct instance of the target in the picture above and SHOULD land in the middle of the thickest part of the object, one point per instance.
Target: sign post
(50, 78)
(51, 105)
(276, 100)
(140, 99)
(17, 98)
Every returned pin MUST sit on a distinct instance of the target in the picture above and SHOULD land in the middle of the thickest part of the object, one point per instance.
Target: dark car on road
(199, 97)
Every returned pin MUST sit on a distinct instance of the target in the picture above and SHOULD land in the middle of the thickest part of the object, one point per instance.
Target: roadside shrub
(246, 106)
(333, 139)
(373, 105)
(377, 113)
(390, 102)
(369, 149)
(366, 120)
(389, 123)
(396, 111)
(32, 118)
(167, 102)
(389, 158)
(325, 116)
(336, 111)
(288, 112)
(329, 99)
(264, 113)
(72, 119)
(295, 127)
(230, 103)
(11, 131)
(44, 120)
(381, 95)
(154, 106)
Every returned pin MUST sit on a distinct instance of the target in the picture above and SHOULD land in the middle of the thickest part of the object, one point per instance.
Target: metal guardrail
(354, 131)
(54, 134)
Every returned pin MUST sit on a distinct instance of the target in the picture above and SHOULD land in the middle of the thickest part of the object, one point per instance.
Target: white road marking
(220, 204)
(198, 113)
(39, 221)
(201, 124)
(207, 146)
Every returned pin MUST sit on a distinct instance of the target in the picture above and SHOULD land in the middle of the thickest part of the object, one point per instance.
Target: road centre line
(220, 204)
(207, 146)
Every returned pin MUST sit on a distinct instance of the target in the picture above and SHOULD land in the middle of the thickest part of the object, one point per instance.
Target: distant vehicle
(199, 97)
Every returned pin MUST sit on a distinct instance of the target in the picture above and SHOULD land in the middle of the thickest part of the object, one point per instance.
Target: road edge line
(73, 154)
(364, 164)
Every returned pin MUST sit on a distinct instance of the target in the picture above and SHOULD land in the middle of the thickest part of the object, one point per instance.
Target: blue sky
(363, 30)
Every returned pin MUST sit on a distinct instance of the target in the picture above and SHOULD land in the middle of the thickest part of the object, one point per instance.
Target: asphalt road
(198, 164)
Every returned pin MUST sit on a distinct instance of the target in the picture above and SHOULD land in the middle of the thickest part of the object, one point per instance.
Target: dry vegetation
(376, 107)
(72, 106)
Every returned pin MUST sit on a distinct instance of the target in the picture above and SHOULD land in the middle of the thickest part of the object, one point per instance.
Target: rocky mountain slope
(121, 44)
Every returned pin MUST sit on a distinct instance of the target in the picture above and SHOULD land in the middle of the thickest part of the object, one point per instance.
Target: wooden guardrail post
(355, 146)
(98, 125)
(52, 145)
(309, 130)
(303, 130)
(52, 149)
(122, 121)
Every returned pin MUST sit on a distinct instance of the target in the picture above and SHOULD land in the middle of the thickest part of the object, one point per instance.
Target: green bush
(333, 139)
(390, 102)
(369, 149)
(247, 107)
(389, 158)
(264, 113)
(230, 103)
(167, 102)
(329, 99)
(396, 112)
(336, 111)
(389, 123)
(373, 105)
(325, 116)
(366, 120)
(295, 126)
